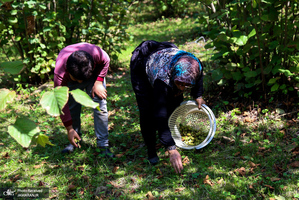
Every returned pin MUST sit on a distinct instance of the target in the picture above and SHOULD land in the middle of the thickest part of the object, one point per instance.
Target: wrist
(69, 128)
(172, 147)
(198, 98)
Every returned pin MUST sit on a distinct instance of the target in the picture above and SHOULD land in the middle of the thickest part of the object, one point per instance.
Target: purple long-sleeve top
(62, 77)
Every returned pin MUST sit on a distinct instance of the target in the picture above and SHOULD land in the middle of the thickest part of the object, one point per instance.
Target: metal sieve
(198, 119)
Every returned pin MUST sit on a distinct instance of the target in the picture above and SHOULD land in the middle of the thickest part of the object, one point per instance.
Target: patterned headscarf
(186, 67)
(173, 64)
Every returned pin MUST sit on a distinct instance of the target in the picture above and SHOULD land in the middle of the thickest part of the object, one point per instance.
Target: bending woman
(160, 72)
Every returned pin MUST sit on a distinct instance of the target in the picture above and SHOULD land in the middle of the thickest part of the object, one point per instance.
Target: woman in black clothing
(160, 72)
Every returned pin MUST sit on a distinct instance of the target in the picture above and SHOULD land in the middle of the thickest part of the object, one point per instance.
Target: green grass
(245, 160)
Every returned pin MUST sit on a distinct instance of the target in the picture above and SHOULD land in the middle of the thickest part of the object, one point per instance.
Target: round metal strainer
(188, 114)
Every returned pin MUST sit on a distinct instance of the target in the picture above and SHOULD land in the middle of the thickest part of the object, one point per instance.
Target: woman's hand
(200, 101)
(71, 135)
(99, 90)
(176, 160)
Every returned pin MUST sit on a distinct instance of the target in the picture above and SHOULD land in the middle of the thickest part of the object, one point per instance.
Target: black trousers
(144, 91)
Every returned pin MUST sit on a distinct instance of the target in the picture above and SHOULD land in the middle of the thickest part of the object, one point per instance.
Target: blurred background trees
(254, 42)
(35, 31)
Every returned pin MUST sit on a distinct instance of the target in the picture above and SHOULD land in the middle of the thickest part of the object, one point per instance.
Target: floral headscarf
(186, 67)
(173, 64)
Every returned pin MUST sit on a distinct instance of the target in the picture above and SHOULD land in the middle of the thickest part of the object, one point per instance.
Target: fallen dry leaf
(80, 168)
(86, 178)
(207, 181)
(138, 169)
(186, 161)
(161, 176)
(141, 175)
(150, 196)
(295, 164)
(6, 155)
(251, 164)
(72, 187)
(54, 196)
(41, 183)
(248, 119)
(246, 113)
(275, 179)
(115, 169)
(270, 187)
(132, 191)
(220, 181)
(119, 155)
(238, 153)
(262, 148)
(242, 171)
(179, 189)
(15, 178)
(37, 166)
(114, 184)
(251, 170)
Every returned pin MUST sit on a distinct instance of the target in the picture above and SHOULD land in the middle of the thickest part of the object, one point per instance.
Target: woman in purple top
(160, 72)
(84, 66)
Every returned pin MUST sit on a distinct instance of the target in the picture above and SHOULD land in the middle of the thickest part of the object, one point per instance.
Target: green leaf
(250, 74)
(14, 12)
(249, 85)
(12, 20)
(23, 131)
(6, 96)
(54, 101)
(275, 87)
(254, 3)
(268, 69)
(286, 72)
(43, 140)
(252, 33)
(272, 81)
(217, 75)
(42, 6)
(273, 44)
(12, 67)
(237, 76)
(47, 29)
(242, 40)
(84, 99)
(85, 31)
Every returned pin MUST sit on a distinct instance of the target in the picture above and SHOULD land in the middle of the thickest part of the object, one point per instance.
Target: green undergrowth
(245, 160)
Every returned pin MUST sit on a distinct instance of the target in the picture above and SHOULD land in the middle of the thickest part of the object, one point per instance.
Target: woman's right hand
(176, 160)
(71, 135)
(200, 101)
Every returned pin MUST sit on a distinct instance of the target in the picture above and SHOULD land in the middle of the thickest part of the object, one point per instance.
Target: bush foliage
(39, 29)
(256, 43)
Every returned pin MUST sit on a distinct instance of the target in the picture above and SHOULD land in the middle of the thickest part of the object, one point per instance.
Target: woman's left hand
(99, 90)
(176, 160)
(200, 101)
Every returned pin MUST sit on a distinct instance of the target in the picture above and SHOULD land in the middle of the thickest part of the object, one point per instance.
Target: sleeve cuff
(100, 79)
(68, 123)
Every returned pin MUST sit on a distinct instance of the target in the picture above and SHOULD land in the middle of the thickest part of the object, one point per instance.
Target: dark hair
(80, 65)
